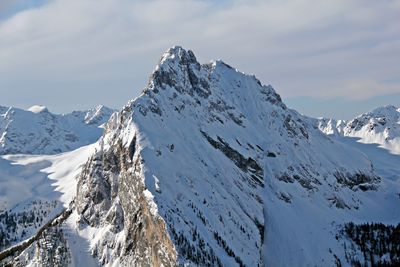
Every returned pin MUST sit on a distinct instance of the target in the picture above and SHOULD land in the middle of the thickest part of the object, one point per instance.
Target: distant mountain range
(380, 126)
(38, 131)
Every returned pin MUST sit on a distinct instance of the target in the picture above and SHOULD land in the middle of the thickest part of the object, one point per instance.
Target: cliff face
(112, 194)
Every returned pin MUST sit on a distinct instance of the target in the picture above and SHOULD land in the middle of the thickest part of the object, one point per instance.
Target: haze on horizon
(328, 58)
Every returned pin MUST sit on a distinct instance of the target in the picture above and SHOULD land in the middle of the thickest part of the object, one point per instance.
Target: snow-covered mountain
(379, 126)
(208, 167)
(38, 131)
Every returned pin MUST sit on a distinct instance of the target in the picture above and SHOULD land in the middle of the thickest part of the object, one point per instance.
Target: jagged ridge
(38, 131)
(379, 126)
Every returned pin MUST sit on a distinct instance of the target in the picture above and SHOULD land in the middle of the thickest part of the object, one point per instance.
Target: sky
(331, 58)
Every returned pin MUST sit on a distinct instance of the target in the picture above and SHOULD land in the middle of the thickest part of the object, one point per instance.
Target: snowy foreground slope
(38, 131)
(209, 168)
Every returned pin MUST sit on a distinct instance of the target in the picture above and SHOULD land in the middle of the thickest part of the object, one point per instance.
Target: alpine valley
(207, 167)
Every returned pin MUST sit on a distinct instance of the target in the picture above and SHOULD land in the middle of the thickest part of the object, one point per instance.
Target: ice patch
(150, 200)
(157, 184)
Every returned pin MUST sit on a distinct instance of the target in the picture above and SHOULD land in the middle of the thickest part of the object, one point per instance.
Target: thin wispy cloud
(90, 48)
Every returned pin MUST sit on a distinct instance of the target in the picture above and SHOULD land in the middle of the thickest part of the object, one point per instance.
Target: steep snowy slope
(379, 126)
(37, 131)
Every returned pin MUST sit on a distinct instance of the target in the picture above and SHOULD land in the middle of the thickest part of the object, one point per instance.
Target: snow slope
(35, 188)
(50, 177)
(37, 131)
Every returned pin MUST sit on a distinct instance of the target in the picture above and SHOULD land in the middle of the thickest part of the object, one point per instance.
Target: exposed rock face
(111, 192)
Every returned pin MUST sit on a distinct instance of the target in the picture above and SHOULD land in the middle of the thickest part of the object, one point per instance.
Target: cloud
(303, 47)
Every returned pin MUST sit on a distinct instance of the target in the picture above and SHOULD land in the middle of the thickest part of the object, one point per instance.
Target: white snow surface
(25, 178)
(38, 131)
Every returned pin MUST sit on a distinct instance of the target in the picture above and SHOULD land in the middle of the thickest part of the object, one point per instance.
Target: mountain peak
(178, 54)
(98, 114)
(179, 70)
(179, 79)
